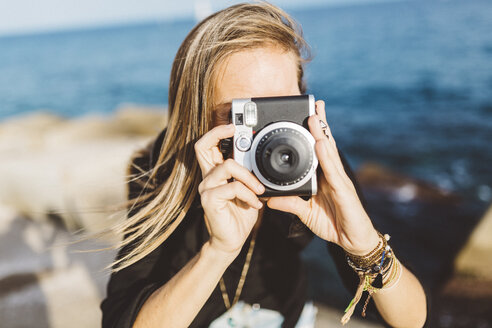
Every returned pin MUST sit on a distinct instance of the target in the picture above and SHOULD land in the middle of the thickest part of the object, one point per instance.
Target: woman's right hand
(231, 208)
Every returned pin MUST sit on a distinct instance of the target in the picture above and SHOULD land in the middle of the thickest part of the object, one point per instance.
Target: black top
(276, 278)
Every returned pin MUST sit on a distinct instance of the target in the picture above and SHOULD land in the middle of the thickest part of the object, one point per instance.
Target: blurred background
(408, 92)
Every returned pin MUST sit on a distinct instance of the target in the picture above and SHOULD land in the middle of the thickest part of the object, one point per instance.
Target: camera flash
(250, 114)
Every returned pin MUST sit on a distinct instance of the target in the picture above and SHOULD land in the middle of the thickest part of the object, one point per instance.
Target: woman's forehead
(258, 72)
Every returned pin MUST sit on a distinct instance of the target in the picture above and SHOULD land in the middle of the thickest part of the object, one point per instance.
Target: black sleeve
(129, 288)
(127, 291)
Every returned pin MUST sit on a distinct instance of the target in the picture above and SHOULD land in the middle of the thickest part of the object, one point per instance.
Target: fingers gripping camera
(272, 140)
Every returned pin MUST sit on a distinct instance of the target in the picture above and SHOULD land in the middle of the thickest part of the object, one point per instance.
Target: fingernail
(260, 188)
(259, 205)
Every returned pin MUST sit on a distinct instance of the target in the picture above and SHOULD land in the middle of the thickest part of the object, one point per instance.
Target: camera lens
(284, 156)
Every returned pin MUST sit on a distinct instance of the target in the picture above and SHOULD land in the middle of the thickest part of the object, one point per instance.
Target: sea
(407, 84)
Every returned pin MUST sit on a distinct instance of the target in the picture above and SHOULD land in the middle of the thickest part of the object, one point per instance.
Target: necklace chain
(240, 285)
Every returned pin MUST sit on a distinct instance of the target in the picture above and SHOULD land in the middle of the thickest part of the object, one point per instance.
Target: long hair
(191, 90)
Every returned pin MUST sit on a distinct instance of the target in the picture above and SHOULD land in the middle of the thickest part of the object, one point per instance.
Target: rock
(463, 302)
(43, 274)
(27, 132)
(428, 226)
(73, 170)
(402, 188)
(475, 259)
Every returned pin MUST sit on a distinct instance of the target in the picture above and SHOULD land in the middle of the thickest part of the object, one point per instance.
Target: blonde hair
(167, 200)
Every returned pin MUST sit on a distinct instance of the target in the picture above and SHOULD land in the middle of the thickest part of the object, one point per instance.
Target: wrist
(367, 246)
(218, 256)
(375, 261)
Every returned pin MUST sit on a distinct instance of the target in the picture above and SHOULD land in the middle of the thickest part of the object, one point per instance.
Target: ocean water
(406, 84)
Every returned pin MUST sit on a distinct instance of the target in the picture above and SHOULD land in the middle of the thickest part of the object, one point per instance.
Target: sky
(31, 16)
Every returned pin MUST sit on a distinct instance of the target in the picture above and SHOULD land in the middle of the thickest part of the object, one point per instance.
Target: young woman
(201, 247)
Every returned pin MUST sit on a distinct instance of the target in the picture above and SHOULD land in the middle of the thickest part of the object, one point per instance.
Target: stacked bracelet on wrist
(376, 271)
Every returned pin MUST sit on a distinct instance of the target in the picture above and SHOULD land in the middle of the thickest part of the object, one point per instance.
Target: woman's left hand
(335, 214)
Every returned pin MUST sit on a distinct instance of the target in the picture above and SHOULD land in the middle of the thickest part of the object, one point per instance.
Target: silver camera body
(272, 140)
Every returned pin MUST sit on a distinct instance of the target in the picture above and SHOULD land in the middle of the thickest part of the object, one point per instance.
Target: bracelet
(376, 270)
(366, 262)
(396, 274)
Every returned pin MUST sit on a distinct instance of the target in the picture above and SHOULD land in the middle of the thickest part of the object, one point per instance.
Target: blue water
(407, 84)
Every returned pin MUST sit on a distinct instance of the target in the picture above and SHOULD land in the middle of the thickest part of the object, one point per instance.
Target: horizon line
(61, 29)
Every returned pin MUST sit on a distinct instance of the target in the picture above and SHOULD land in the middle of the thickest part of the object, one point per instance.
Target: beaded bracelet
(364, 261)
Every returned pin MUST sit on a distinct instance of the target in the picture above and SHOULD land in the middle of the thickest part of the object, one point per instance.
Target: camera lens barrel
(284, 156)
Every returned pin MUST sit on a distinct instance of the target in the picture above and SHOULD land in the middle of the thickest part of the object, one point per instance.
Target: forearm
(178, 302)
(404, 304)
